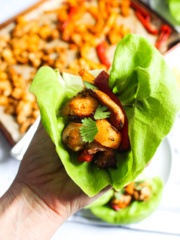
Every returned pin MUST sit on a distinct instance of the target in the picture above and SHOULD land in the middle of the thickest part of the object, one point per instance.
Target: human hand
(42, 195)
(42, 171)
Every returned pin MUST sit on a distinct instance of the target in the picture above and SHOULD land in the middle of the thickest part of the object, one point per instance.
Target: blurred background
(38, 38)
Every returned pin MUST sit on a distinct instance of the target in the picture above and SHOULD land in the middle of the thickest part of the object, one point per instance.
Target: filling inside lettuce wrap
(131, 204)
(146, 89)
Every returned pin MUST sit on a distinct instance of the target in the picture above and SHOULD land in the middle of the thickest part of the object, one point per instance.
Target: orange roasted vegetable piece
(125, 6)
(117, 116)
(86, 76)
(107, 135)
(111, 20)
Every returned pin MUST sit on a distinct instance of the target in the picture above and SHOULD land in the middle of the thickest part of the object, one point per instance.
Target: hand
(49, 194)
(42, 171)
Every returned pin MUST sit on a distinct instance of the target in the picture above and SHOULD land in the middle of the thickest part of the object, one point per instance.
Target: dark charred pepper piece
(105, 159)
(101, 81)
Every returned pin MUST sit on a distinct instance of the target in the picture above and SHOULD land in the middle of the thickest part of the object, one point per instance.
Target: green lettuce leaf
(135, 212)
(146, 87)
(102, 200)
(148, 91)
(174, 7)
(52, 93)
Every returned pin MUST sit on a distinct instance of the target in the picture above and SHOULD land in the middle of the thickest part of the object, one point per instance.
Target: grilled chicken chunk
(80, 106)
(142, 192)
(122, 202)
(72, 137)
(107, 135)
(117, 117)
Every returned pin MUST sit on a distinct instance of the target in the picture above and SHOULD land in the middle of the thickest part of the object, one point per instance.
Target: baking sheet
(7, 122)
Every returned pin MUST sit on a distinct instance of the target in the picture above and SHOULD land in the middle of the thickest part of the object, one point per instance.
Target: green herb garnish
(100, 113)
(118, 194)
(88, 130)
(138, 186)
(88, 85)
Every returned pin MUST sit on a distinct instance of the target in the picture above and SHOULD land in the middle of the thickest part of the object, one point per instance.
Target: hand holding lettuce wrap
(146, 88)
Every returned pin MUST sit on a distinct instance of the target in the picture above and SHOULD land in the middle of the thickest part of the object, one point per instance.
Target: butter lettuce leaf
(135, 212)
(143, 82)
(148, 91)
(174, 7)
(102, 200)
(52, 93)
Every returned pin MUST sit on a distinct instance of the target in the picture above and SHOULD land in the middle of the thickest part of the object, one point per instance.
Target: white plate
(161, 163)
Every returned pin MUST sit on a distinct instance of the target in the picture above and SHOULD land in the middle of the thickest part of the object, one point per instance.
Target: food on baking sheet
(74, 35)
(135, 202)
(47, 41)
(139, 81)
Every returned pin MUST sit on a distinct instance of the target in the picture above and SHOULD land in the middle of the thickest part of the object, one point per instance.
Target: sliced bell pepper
(146, 24)
(101, 52)
(141, 10)
(163, 36)
(72, 12)
(101, 81)
(84, 156)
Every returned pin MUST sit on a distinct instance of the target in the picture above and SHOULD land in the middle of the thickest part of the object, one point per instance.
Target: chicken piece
(72, 138)
(81, 106)
(107, 135)
(142, 192)
(123, 202)
(129, 188)
(117, 117)
(105, 159)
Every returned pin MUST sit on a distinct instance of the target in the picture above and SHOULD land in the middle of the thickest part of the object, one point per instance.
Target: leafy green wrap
(136, 211)
(174, 7)
(147, 89)
(102, 200)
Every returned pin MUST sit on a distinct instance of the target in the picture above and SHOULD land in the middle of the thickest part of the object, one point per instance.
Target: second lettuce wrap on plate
(136, 211)
(142, 81)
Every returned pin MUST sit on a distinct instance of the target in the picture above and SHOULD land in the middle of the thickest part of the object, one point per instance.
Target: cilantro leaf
(88, 130)
(88, 85)
(118, 194)
(100, 114)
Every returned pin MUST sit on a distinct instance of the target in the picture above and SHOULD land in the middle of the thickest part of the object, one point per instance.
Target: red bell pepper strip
(115, 207)
(146, 24)
(141, 10)
(163, 36)
(101, 52)
(84, 156)
(101, 81)
(72, 12)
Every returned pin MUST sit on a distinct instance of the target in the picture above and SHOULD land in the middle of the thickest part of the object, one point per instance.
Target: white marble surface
(10, 8)
(169, 208)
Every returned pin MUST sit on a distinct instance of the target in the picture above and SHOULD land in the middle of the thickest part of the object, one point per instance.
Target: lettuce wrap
(102, 200)
(147, 90)
(174, 8)
(136, 211)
